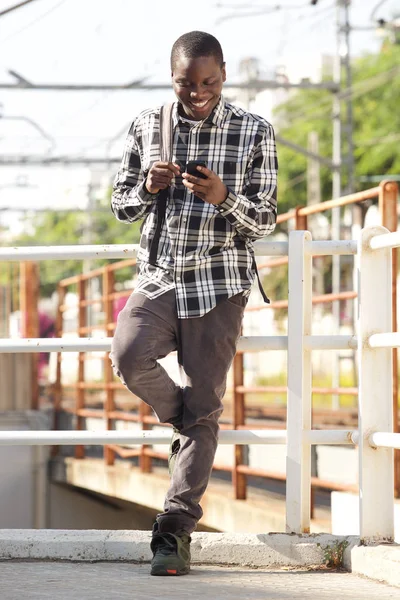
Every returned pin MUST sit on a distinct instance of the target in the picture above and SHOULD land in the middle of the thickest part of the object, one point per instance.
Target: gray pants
(148, 330)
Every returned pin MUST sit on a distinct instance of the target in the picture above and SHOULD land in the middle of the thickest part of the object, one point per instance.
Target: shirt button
(178, 278)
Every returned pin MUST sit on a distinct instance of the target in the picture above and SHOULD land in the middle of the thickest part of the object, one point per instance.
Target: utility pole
(314, 197)
(336, 193)
(313, 171)
(342, 59)
(344, 33)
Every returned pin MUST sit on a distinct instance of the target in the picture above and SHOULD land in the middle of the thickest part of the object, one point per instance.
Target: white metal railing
(375, 412)
(163, 436)
(246, 344)
(374, 341)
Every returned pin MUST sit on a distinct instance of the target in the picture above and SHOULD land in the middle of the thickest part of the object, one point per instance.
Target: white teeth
(199, 104)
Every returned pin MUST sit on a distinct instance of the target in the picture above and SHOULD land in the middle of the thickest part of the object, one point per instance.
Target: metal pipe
(246, 344)
(68, 252)
(328, 436)
(259, 343)
(331, 248)
(324, 299)
(384, 340)
(330, 342)
(65, 438)
(163, 436)
(386, 240)
(379, 439)
(339, 201)
(17, 345)
(81, 252)
(271, 248)
(282, 389)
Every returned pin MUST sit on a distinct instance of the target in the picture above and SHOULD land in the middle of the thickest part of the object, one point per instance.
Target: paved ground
(119, 581)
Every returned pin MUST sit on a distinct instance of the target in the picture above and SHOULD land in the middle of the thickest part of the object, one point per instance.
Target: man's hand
(211, 190)
(160, 176)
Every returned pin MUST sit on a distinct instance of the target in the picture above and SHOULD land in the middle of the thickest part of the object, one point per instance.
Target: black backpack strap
(166, 132)
(260, 287)
(166, 141)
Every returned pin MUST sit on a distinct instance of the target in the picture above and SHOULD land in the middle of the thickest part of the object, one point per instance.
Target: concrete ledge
(380, 562)
(255, 550)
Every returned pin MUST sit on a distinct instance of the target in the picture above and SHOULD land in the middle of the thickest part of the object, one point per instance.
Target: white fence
(374, 342)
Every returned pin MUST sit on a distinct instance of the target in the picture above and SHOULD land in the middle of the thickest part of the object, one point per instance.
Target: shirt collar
(217, 116)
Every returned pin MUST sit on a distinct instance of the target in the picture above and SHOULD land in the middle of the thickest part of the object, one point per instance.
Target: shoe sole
(163, 572)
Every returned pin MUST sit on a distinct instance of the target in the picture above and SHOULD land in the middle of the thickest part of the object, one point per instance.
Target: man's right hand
(160, 176)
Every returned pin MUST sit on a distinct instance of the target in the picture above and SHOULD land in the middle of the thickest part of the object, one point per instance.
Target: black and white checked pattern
(205, 251)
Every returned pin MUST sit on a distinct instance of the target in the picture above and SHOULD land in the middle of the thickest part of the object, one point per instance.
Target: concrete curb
(255, 550)
(380, 562)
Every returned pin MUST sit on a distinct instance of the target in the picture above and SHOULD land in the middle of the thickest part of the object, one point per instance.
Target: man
(192, 298)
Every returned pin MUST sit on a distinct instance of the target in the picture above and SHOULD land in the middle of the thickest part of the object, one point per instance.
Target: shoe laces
(164, 543)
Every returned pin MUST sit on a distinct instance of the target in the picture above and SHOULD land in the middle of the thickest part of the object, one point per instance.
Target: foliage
(376, 97)
(376, 118)
(334, 554)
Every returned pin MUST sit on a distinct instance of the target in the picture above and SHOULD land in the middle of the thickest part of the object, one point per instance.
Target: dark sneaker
(171, 553)
(173, 451)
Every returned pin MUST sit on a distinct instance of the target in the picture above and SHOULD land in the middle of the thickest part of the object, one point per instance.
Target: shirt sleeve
(253, 213)
(130, 200)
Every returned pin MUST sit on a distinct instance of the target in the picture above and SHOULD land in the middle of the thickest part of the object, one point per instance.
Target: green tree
(376, 98)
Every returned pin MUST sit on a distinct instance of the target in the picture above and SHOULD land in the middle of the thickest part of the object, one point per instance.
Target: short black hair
(195, 44)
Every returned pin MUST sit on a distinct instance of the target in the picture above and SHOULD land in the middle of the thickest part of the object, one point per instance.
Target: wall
(75, 508)
(23, 471)
(15, 377)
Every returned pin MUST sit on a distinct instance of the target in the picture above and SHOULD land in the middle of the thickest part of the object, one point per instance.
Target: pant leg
(207, 348)
(146, 331)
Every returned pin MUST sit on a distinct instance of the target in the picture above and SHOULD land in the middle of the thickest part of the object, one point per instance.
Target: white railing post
(376, 469)
(298, 461)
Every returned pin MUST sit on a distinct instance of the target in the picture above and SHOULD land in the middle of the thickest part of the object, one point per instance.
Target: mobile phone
(191, 168)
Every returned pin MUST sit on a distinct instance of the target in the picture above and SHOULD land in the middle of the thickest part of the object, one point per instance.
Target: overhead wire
(313, 20)
(10, 9)
(294, 181)
(375, 10)
(358, 89)
(276, 7)
(99, 99)
(266, 10)
(391, 137)
(32, 23)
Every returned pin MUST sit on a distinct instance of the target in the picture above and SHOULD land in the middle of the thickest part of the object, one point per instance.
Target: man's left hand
(211, 190)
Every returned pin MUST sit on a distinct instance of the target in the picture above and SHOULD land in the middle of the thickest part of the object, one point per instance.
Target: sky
(118, 41)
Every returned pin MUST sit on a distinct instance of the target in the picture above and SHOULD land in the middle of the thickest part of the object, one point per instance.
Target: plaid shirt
(205, 252)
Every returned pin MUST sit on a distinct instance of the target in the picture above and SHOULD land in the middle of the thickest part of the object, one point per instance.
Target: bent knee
(128, 357)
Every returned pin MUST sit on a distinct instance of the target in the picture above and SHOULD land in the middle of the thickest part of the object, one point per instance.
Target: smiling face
(197, 82)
